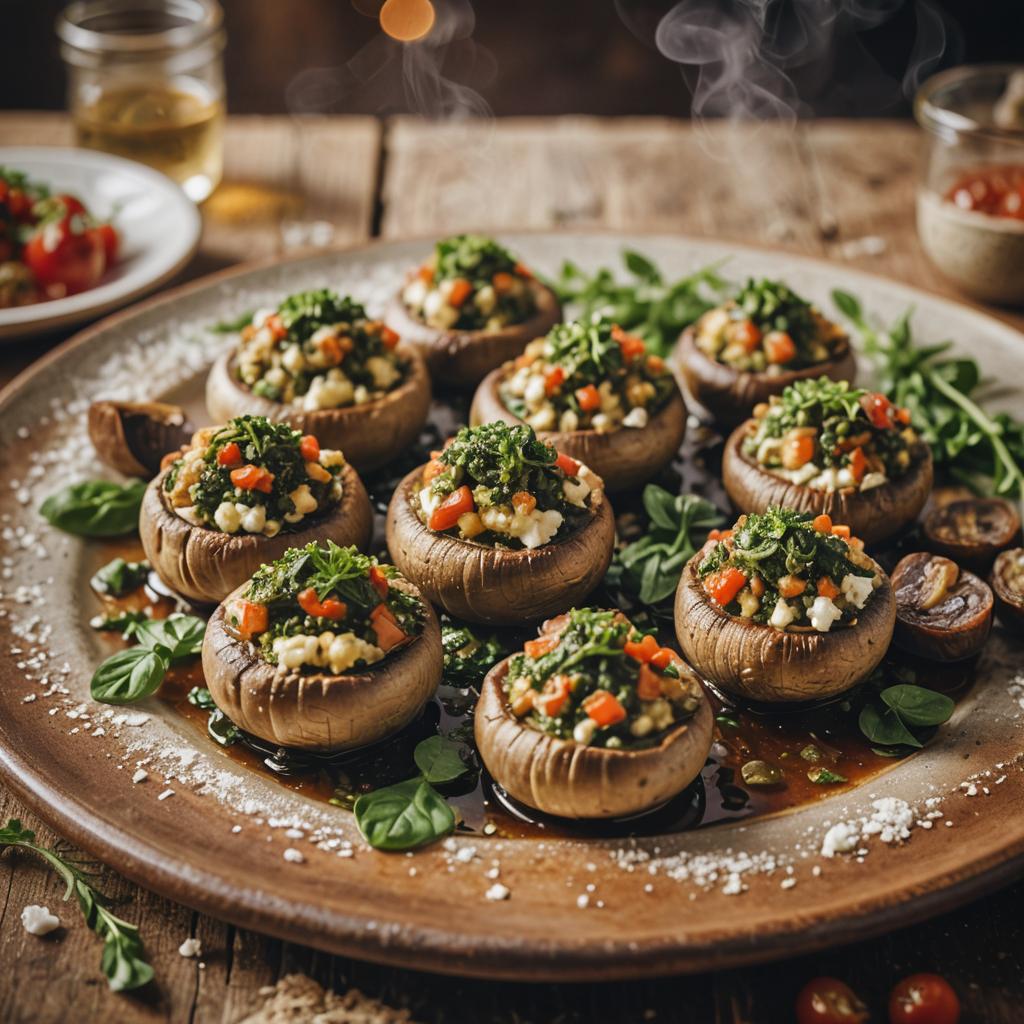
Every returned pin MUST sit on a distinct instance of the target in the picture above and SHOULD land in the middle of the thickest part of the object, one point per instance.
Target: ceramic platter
(577, 907)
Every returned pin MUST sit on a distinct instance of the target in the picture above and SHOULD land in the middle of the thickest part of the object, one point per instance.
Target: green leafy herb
(891, 720)
(122, 960)
(95, 508)
(118, 577)
(122, 621)
(985, 452)
(468, 658)
(304, 313)
(824, 776)
(649, 568)
(200, 697)
(648, 305)
(232, 326)
(180, 635)
(221, 729)
(412, 813)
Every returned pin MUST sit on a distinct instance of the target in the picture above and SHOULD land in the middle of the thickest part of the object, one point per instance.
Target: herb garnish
(896, 719)
(232, 325)
(95, 508)
(122, 961)
(984, 452)
(412, 813)
(118, 577)
(220, 728)
(468, 658)
(655, 309)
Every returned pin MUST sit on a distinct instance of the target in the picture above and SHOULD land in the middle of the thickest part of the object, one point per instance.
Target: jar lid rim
(202, 20)
(931, 114)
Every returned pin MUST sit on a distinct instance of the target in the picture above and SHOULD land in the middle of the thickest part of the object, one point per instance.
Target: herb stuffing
(827, 435)
(586, 376)
(594, 679)
(499, 485)
(788, 570)
(253, 476)
(326, 607)
(768, 327)
(470, 283)
(318, 350)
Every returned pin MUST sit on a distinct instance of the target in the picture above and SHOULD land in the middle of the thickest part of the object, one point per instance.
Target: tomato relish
(997, 191)
(592, 677)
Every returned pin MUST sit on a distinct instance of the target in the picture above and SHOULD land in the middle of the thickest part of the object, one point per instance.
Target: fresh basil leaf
(118, 577)
(438, 758)
(231, 326)
(660, 507)
(123, 621)
(181, 635)
(200, 697)
(886, 728)
(846, 304)
(918, 706)
(129, 675)
(403, 816)
(95, 508)
(641, 266)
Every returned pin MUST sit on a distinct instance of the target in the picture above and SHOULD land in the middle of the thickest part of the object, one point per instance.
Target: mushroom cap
(766, 664)
(571, 780)
(498, 586)
(369, 434)
(205, 565)
(318, 711)
(729, 395)
(132, 437)
(623, 458)
(994, 524)
(461, 359)
(873, 515)
(1009, 602)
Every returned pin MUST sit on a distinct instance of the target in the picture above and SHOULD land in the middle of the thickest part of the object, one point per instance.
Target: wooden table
(816, 190)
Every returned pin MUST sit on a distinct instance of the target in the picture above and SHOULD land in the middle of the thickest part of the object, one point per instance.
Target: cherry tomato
(111, 240)
(64, 260)
(924, 999)
(19, 205)
(829, 1001)
(71, 204)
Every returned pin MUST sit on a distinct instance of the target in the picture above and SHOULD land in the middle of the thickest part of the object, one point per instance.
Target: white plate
(159, 227)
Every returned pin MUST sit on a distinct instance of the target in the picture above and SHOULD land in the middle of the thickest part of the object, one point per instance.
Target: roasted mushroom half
(323, 650)
(593, 392)
(781, 608)
(765, 339)
(241, 495)
(972, 531)
(593, 735)
(133, 437)
(942, 612)
(469, 308)
(498, 528)
(321, 365)
(825, 447)
(1007, 581)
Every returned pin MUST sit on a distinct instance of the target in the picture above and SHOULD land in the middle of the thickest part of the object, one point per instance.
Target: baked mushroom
(760, 342)
(323, 649)
(241, 495)
(784, 607)
(942, 612)
(1007, 582)
(824, 447)
(133, 437)
(320, 364)
(972, 531)
(499, 528)
(592, 391)
(591, 720)
(469, 308)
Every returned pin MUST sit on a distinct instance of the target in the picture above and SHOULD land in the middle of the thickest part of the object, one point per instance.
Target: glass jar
(970, 204)
(146, 82)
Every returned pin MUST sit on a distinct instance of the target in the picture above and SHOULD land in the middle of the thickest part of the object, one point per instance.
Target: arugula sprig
(985, 452)
(649, 306)
(122, 960)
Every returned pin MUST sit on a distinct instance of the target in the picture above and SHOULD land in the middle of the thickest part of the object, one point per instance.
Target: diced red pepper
(879, 409)
(461, 290)
(724, 585)
(524, 502)
(385, 625)
(426, 273)
(277, 329)
(389, 337)
(604, 708)
(553, 380)
(642, 650)
(630, 345)
(662, 658)
(229, 455)
(858, 464)
(648, 684)
(252, 618)
(523, 271)
(747, 333)
(779, 347)
(311, 604)
(379, 581)
(309, 448)
(539, 647)
(253, 478)
(589, 398)
(447, 514)
(826, 588)
(433, 468)
(567, 464)
(841, 530)
(553, 697)
(822, 523)
(503, 282)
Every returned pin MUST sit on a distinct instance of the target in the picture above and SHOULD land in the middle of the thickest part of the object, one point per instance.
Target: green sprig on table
(122, 960)
(985, 452)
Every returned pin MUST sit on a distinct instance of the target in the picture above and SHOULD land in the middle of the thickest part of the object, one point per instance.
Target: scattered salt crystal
(165, 794)
(191, 947)
(582, 901)
(38, 920)
(28, 698)
(140, 775)
(465, 854)
(498, 892)
(787, 883)
(840, 838)
(293, 856)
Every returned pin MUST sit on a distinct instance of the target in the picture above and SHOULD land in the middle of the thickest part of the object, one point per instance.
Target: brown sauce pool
(795, 741)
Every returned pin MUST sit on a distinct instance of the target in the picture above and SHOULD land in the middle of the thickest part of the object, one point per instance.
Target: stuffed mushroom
(593, 719)
(500, 528)
(241, 495)
(594, 392)
(764, 339)
(784, 607)
(319, 363)
(822, 446)
(323, 649)
(471, 307)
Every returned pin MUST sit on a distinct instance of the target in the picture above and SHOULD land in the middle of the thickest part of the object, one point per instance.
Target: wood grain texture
(813, 191)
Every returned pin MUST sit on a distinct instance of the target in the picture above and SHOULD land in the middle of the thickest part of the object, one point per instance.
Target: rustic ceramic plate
(159, 228)
(576, 909)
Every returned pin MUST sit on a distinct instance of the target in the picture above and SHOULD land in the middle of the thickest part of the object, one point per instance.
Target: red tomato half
(924, 999)
(63, 260)
(111, 240)
(829, 1001)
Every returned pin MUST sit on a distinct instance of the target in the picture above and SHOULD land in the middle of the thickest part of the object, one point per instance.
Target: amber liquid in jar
(176, 131)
